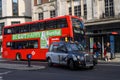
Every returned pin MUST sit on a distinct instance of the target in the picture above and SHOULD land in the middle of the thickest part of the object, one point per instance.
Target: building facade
(42, 9)
(103, 24)
(101, 17)
(14, 12)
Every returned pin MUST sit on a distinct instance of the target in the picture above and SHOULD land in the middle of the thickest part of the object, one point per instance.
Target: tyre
(49, 62)
(71, 65)
(91, 67)
(18, 57)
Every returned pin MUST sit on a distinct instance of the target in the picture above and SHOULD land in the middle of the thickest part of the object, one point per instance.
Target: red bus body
(12, 39)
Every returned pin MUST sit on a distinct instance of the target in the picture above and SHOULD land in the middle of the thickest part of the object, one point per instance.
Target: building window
(51, 0)
(70, 11)
(35, 2)
(85, 11)
(52, 13)
(77, 11)
(109, 8)
(1, 27)
(15, 7)
(40, 15)
(39, 1)
(15, 22)
(0, 8)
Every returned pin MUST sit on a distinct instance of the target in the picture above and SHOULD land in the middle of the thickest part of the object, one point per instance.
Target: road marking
(3, 73)
(1, 77)
(110, 64)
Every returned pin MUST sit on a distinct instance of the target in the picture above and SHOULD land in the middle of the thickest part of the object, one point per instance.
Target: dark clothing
(99, 48)
(108, 49)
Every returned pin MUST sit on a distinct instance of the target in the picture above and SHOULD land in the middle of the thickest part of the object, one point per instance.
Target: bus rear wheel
(18, 57)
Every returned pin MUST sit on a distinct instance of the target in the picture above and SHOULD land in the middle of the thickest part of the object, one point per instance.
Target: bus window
(32, 27)
(26, 28)
(51, 24)
(32, 44)
(8, 31)
(77, 23)
(16, 30)
(61, 23)
(41, 26)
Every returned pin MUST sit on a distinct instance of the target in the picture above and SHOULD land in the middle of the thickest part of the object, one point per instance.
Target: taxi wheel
(49, 62)
(91, 67)
(71, 65)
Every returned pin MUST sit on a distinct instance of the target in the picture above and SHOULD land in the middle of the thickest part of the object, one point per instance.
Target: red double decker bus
(34, 37)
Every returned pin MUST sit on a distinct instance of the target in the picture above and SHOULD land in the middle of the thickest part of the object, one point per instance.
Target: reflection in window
(15, 7)
(72, 47)
(77, 26)
(77, 23)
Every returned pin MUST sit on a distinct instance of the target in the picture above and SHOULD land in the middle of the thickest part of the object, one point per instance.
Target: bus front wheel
(18, 57)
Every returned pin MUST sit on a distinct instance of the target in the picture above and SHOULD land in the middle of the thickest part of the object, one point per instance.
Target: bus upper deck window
(9, 31)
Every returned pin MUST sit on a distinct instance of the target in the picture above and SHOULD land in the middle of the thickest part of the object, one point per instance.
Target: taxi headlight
(82, 58)
(78, 57)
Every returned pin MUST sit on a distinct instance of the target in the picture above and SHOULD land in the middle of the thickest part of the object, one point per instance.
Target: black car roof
(61, 42)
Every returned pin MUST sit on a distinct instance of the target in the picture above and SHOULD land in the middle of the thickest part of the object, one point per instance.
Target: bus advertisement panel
(35, 37)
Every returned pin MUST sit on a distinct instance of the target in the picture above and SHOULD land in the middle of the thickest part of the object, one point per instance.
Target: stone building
(14, 12)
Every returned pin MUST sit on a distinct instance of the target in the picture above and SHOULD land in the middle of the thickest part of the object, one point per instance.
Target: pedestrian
(98, 52)
(94, 48)
(107, 52)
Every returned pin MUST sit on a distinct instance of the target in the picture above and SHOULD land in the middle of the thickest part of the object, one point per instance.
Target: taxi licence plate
(89, 64)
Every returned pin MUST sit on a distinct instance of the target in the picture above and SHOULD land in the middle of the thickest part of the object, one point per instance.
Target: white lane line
(1, 78)
(3, 73)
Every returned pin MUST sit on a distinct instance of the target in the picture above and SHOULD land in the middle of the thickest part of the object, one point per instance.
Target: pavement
(115, 60)
(20, 66)
(14, 66)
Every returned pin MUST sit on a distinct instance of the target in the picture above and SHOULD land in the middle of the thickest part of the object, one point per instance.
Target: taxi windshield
(72, 47)
(75, 47)
(81, 48)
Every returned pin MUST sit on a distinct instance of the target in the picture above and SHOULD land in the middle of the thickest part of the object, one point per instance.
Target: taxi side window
(62, 48)
(55, 49)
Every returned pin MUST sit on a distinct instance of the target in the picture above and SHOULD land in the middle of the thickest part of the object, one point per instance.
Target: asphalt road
(103, 71)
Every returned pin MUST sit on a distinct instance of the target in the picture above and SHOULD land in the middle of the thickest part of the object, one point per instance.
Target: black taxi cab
(70, 54)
